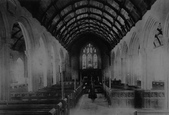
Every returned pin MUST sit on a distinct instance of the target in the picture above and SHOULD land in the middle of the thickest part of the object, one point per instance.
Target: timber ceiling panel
(110, 19)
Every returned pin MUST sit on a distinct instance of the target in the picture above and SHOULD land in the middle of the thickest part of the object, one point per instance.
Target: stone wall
(143, 55)
(43, 59)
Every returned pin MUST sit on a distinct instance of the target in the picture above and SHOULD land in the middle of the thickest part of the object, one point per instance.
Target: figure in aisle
(92, 93)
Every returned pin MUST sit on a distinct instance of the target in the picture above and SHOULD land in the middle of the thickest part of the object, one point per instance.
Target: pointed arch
(20, 52)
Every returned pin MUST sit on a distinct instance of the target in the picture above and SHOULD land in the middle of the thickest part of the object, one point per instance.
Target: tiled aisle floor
(98, 107)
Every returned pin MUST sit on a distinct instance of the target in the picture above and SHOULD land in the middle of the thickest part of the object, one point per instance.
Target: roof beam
(87, 26)
(104, 3)
(89, 18)
(103, 29)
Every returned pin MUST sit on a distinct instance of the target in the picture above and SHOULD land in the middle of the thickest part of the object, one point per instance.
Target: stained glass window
(89, 57)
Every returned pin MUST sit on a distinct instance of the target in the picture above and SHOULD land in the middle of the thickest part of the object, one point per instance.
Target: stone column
(5, 72)
(109, 77)
(4, 54)
(54, 70)
(30, 84)
(62, 81)
(144, 70)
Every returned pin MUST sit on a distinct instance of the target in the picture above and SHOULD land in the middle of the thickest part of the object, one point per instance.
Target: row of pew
(120, 86)
(46, 101)
(139, 99)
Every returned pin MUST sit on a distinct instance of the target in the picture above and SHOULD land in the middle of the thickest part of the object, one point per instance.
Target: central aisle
(87, 107)
(98, 107)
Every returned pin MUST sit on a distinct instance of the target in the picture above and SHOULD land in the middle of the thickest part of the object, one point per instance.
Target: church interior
(55, 55)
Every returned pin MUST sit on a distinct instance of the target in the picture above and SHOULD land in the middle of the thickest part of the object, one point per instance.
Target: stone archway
(153, 53)
(20, 63)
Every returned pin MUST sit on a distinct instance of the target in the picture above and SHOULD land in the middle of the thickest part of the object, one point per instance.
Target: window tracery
(89, 57)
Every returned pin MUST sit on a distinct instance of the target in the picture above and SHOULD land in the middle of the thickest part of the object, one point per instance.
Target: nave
(52, 51)
(100, 106)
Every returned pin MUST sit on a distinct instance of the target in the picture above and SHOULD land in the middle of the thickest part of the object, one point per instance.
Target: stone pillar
(110, 77)
(130, 70)
(54, 71)
(144, 70)
(30, 84)
(62, 81)
(5, 73)
(4, 55)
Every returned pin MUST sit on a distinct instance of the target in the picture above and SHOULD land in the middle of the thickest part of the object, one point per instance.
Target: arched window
(89, 57)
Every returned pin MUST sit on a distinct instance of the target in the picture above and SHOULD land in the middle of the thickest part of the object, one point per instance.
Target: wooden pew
(27, 107)
(45, 93)
(37, 103)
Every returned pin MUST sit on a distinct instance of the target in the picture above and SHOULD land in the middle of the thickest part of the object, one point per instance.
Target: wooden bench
(41, 102)
(27, 107)
(45, 93)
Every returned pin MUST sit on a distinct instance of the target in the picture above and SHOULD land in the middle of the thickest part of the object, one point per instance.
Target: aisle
(98, 107)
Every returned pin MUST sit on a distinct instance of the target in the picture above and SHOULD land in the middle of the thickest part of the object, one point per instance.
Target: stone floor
(98, 107)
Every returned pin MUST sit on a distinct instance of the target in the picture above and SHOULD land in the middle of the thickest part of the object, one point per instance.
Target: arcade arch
(153, 49)
(20, 55)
